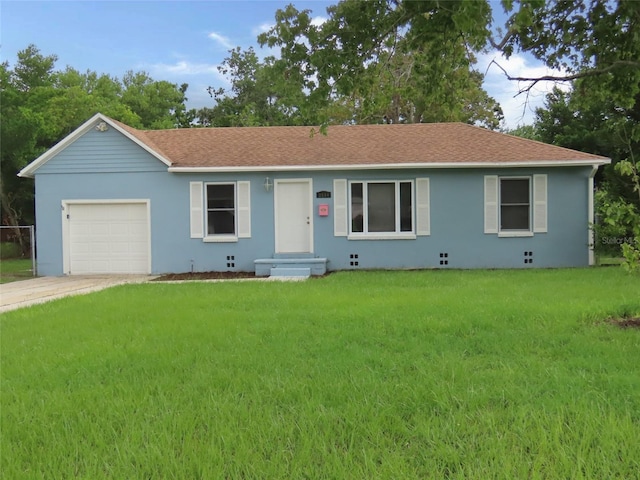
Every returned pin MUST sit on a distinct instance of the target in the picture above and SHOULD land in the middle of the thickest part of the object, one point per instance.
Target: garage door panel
(120, 266)
(119, 248)
(82, 228)
(137, 248)
(108, 238)
(137, 228)
(82, 248)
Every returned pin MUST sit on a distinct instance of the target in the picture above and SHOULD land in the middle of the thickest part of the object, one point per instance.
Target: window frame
(515, 232)
(397, 233)
(220, 237)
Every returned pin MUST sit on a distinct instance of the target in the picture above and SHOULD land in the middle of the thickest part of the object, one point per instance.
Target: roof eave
(29, 170)
(392, 166)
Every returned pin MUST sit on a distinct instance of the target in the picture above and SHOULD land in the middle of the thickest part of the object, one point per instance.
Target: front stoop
(290, 266)
(290, 272)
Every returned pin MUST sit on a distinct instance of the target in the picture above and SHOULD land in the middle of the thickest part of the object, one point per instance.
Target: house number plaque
(323, 194)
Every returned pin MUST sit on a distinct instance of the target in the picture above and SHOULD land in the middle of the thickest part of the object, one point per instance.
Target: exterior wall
(126, 171)
(457, 225)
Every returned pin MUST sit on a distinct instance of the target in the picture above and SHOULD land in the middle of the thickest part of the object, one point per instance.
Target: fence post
(33, 250)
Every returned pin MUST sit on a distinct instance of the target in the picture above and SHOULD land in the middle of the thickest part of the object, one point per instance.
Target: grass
(608, 260)
(432, 374)
(15, 269)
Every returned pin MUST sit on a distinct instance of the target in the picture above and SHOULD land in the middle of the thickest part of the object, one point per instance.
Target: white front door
(293, 216)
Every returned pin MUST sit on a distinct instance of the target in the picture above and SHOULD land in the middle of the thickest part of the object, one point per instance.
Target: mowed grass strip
(426, 374)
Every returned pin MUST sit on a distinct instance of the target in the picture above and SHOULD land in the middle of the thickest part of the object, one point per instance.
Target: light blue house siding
(107, 166)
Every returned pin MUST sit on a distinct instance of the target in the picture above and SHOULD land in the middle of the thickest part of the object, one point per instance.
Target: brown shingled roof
(360, 145)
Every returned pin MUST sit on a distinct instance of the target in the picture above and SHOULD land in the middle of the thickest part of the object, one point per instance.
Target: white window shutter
(423, 212)
(491, 204)
(244, 209)
(196, 202)
(340, 210)
(539, 203)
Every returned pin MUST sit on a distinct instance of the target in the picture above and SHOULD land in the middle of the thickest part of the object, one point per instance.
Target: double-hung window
(221, 209)
(515, 206)
(381, 207)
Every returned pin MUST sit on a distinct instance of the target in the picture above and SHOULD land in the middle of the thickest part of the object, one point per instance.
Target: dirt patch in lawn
(626, 322)
(173, 277)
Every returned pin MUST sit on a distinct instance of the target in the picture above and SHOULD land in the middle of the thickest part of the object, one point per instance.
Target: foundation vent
(444, 259)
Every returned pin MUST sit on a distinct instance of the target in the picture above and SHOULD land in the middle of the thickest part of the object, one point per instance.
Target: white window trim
(396, 235)
(222, 238)
(382, 236)
(515, 233)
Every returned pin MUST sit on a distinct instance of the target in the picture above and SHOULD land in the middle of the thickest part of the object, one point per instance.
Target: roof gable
(97, 122)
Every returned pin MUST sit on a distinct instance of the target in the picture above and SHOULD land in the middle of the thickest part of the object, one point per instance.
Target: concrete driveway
(38, 290)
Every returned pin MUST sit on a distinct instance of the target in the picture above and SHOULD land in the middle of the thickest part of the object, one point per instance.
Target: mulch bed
(173, 277)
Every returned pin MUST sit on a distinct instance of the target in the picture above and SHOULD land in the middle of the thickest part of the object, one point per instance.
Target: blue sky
(183, 42)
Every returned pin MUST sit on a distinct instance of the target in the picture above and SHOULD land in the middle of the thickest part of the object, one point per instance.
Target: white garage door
(108, 238)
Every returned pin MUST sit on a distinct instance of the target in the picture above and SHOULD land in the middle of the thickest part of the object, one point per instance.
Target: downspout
(591, 239)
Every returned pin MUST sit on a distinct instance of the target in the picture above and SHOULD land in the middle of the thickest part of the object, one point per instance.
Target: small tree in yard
(620, 216)
(630, 216)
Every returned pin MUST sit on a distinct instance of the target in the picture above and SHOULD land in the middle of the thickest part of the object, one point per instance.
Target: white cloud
(318, 21)
(183, 67)
(222, 40)
(517, 104)
(262, 28)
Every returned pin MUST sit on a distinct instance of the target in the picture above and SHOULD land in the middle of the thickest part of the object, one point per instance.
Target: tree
(320, 78)
(19, 127)
(158, 104)
(585, 38)
(363, 60)
(253, 100)
(590, 120)
(41, 105)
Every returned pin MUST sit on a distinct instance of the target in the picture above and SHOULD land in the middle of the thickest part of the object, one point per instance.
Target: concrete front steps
(290, 265)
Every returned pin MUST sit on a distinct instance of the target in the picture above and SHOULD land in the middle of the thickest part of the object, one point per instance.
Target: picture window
(380, 207)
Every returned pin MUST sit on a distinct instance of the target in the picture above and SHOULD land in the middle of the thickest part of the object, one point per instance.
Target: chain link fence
(17, 253)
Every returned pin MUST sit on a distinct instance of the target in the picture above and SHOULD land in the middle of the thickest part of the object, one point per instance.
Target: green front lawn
(432, 374)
